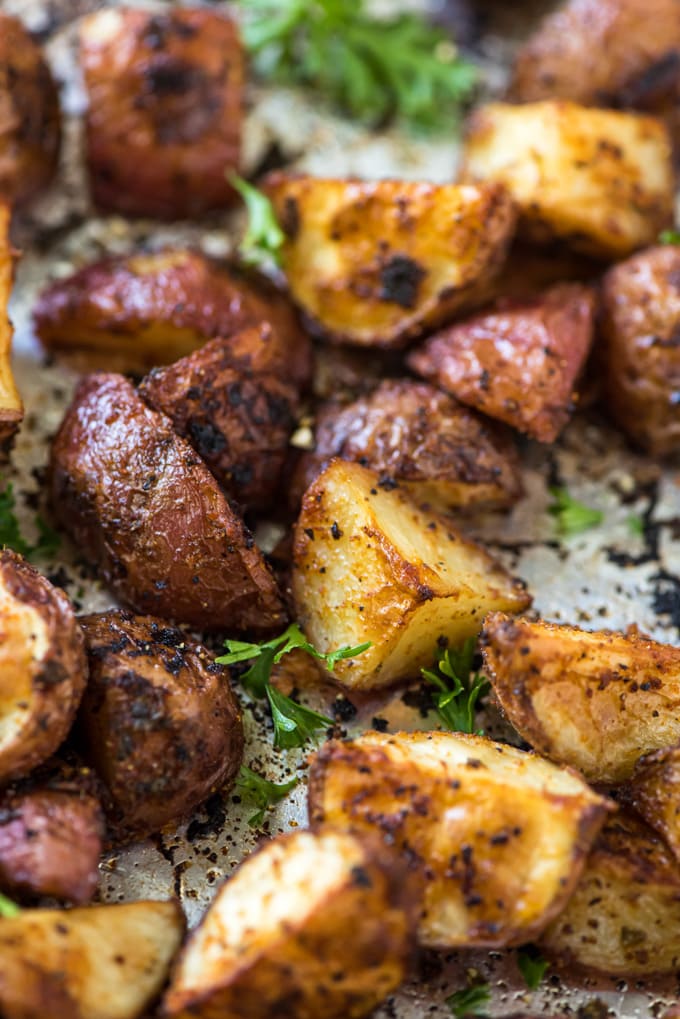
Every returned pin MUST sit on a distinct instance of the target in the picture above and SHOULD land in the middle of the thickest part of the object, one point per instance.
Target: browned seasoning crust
(654, 793)
(140, 504)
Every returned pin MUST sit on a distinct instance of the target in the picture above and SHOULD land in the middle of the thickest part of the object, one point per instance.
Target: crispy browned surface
(597, 701)
(499, 836)
(376, 263)
(654, 792)
(30, 120)
(165, 110)
(142, 506)
(150, 309)
(624, 917)
(158, 722)
(11, 407)
(50, 843)
(233, 402)
(310, 925)
(641, 349)
(518, 363)
(439, 451)
(42, 667)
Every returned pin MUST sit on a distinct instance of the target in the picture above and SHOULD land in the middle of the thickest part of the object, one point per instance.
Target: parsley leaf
(8, 908)
(572, 517)
(10, 533)
(260, 792)
(459, 691)
(371, 68)
(294, 724)
(636, 526)
(263, 239)
(469, 1001)
(532, 966)
(669, 237)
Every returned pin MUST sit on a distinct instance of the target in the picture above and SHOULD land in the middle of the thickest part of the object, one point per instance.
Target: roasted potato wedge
(596, 701)
(158, 722)
(518, 363)
(601, 180)
(232, 402)
(309, 926)
(99, 962)
(133, 313)
(624, 916)
(500, 835)
(30, 119)
(376, 263)
(369, 564)
(640, 353)
(140, 504)
(42, 667)
(654, 793)
(440, 452)
(11, 407)
(165, 93)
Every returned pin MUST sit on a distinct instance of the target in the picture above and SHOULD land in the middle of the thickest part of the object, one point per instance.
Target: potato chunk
(11, 407)
(624, 916)
(600, 180)
(499, 834)
(596, 701)
(133, 313)
(641, 353)
(519, 363)
(165, 109)
(138, 501)
(369, 564)
(311, 925)
(376, 263)
(158, 722)
(99, 962)
(654, 792)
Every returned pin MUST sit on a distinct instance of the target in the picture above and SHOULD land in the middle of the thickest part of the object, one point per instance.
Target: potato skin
(439, 451)
(596, 701)
(599, 180)
(138, 501)
(519, 363)
(641, 355)
(158, 723)
(30, 119)
(42, 667)
(135, 312)
(231, 400)
(165, 110)
(375, 263)
(654, 793)
(11, 407)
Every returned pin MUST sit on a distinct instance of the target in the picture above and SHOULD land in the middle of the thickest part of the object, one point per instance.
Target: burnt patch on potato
(400, 281)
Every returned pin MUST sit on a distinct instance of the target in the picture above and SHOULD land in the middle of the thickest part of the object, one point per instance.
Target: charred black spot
(290, 217)
(205, 437)
(400, 280)
(361, 878)
(343, 709)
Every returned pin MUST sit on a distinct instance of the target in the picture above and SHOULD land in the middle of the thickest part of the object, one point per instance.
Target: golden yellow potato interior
(24, 642)
(11, 407)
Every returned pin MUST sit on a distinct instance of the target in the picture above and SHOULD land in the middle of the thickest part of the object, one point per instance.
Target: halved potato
(11, 407)
(309, 926)
(654, 792)
(624, 916)
(42, 667)
(99, 962)
(499, 835)
(597, 701)
(370, 565)
(601, 180)
(376, 263)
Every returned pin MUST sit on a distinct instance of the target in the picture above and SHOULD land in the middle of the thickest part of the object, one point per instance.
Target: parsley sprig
(8, 908)
(371, 68)
(532, 966)
(261, 244)
(572, 516)
(469, 1001)
(10, 533)
(669, 237)
(459, 690)
(262, 793)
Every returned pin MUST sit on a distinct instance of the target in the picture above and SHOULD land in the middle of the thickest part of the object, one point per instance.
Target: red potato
(140, 504)
(519, 363)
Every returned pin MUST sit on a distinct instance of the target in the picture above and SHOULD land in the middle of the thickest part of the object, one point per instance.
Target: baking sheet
(607, 577)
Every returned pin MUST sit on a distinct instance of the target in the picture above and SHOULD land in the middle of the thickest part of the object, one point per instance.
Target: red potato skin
(139, 503)
(165, 110)
(519, 363)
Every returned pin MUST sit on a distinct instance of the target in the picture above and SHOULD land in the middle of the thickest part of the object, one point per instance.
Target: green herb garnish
(572, 517)
(636, 526)
(261, 244)
(532, 966)
(470, 1001)
(8, 908)
(10, 533)
(371, 68)
(459, 690)
(669, 237)
(260, 792)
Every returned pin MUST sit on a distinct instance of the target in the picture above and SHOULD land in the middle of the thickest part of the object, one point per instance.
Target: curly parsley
(460, 692)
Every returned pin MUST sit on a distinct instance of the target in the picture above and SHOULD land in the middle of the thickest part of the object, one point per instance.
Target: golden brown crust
(138, 501)
(165, 110)
(654, 793)
(11, 407)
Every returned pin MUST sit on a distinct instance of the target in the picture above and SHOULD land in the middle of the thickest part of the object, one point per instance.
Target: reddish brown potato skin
(231, 401)
(158, 723)
(140, 504)
(50, 843)
(165, 110)
(518, 363)
(641, 350)
(30, 120)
